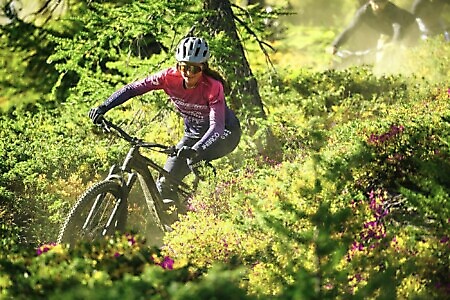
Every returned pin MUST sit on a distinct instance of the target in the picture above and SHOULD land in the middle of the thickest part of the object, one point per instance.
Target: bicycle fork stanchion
(126, 187)
(112, 216)
(93, 209)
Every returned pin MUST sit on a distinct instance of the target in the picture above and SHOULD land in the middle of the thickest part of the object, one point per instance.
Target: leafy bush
(122, 267)
(354, 206)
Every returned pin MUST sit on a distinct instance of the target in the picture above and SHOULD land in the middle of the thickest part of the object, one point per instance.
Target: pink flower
(45, 248)
(357, 246)
(444, 239)
(167, 263)
(131, 239)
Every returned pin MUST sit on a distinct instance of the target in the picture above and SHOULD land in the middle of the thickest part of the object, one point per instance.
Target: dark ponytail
(217, 76)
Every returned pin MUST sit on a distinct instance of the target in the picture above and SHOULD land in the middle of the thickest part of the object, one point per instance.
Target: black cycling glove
(96, 113)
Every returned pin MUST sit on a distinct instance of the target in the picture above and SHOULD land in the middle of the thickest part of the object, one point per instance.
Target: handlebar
(107, 125)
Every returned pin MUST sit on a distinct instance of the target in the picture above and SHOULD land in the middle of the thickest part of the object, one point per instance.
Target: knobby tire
(106, 195)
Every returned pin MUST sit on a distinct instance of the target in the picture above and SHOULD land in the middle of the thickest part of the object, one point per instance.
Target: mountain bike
(102, 209)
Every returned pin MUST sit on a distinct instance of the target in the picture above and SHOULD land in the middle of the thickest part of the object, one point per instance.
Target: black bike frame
(135, 163)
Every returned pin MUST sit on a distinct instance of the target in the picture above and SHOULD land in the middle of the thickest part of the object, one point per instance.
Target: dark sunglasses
(189, 68)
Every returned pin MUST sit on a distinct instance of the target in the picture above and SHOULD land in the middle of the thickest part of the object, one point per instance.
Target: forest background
(338, 189)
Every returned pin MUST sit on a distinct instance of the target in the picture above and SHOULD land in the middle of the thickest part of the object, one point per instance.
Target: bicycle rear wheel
(100, 211)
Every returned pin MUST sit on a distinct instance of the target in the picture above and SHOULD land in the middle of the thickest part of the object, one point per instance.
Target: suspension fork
(122, 201)
(117, 173)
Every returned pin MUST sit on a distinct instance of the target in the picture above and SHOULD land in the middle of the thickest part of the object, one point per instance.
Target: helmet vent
(193, 49)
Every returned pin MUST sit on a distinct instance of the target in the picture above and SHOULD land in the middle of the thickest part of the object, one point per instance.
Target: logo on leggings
(226, 133)
(215, 137)
(211, 140)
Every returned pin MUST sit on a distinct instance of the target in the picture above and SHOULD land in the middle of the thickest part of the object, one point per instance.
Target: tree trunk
(244, 93)
(246, 89)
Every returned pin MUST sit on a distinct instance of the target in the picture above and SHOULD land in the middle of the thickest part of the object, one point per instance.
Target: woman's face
(191, 73)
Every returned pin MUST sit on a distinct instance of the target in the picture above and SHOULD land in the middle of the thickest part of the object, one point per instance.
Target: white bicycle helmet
(193, 50)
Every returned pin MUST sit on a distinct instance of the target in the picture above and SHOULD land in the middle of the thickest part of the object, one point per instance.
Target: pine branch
(260, 42)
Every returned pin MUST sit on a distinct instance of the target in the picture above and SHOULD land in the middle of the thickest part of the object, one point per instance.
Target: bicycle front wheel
(100, 211)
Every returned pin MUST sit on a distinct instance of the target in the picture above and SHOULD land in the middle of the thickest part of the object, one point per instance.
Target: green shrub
(354, 206)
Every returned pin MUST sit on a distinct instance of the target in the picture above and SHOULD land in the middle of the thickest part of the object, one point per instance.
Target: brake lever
(104, 125)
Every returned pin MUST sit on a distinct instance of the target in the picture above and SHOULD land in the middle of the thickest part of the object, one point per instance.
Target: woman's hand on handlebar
(96, 114)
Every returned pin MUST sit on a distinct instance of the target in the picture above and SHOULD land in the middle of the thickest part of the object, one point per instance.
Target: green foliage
(351, 138)
(107, 49)
(38, 161)
(118, 268)
(354, 206)
(25, 75)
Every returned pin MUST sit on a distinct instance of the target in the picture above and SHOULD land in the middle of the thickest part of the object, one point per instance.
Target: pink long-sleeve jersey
(203, 108)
